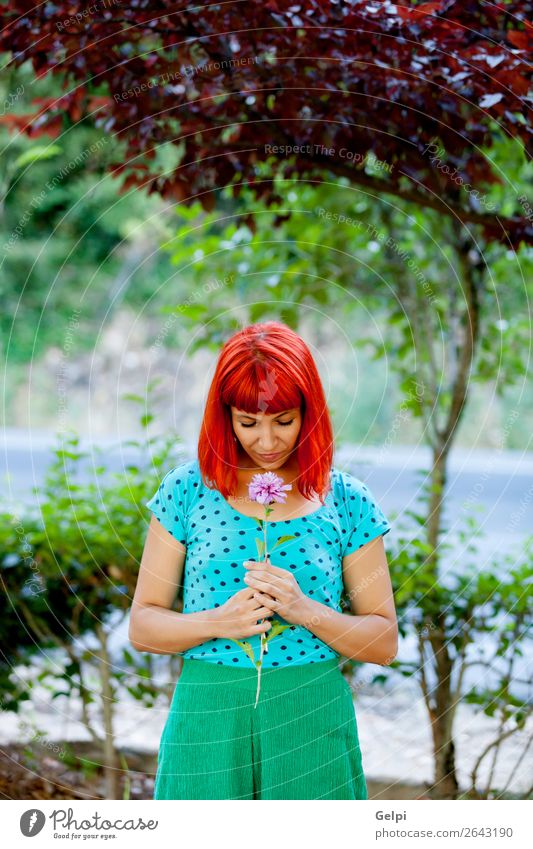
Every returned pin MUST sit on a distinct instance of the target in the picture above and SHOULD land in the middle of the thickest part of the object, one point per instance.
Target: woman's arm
(153, 626)
(370, 633)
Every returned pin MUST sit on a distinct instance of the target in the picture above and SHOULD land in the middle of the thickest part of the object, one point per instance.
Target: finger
(268, 601)
(276, 571)
(263, 575)
(256, 591)
(255, 568)
(262, 613)
(255, 602)
(267, 598)
(265, 587)
(268, 586)
(263, 566)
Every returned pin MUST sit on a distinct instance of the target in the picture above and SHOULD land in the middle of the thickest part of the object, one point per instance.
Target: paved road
(498, 484)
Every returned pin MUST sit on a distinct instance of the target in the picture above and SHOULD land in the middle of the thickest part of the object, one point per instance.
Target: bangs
(263, 388)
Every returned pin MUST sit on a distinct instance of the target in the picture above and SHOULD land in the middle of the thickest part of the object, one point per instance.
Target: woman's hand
(277, 590)
(237, 618)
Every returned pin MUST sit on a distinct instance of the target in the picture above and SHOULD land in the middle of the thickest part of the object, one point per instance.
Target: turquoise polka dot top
(218, 539)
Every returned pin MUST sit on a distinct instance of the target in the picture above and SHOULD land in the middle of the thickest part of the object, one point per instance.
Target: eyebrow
(247, 416)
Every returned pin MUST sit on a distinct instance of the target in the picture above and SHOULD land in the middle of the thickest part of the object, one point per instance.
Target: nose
(267, 441)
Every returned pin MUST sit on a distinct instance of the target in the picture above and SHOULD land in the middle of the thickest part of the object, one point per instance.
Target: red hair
(266, 368)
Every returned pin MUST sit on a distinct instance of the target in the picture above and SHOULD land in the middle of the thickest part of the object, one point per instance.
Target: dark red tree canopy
(316, 87)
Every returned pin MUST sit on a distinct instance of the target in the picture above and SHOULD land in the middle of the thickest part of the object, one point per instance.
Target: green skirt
(300, 742)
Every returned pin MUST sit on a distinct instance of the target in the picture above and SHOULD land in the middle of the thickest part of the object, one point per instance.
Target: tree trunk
(110, 758)
(441, 702)
(445, 784)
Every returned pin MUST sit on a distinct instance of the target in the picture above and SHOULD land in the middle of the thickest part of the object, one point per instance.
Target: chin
(277, 463)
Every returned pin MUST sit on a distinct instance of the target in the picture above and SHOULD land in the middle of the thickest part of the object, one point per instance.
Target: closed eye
(283, 424)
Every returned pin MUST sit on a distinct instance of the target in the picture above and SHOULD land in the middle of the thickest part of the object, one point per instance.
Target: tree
(324, 89)
(435, 285)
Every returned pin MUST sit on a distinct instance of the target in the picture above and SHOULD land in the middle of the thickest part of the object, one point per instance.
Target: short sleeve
(169, 504)
(363, 519)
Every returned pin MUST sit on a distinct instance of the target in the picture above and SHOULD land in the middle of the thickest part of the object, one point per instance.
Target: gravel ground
(393, 728)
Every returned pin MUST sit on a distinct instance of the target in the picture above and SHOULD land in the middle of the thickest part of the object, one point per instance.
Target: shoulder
(188, 468)
(353, 496)
(181, 478)
(348, 486)
(359, 506)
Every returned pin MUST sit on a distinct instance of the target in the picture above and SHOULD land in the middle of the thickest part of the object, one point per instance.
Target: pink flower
(267, 488)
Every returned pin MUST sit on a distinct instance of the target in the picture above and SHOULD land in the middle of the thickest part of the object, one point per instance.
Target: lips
(270, 456)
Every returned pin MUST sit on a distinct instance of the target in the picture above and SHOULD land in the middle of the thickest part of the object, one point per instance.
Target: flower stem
(259, 665)
(264, 643)
(263, 636)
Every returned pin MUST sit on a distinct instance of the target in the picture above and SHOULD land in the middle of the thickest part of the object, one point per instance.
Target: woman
(265, 412)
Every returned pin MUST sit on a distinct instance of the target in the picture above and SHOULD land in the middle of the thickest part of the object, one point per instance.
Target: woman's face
(261, 435)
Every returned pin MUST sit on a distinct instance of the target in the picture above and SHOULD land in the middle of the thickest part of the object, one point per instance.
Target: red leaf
(377, 79)
(518, 38)
(52, 128)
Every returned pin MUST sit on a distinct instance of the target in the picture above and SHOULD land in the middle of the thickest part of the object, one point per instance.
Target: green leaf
(246, 647)
(36, 154)
(277, 628)
(283, 539)
(191, 311)
(260, 547)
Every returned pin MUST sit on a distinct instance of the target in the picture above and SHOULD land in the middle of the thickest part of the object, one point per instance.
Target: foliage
(85, 549)
(20, 585)
(482, 614)
(341, 253)
(261, 80)
(69, 247)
